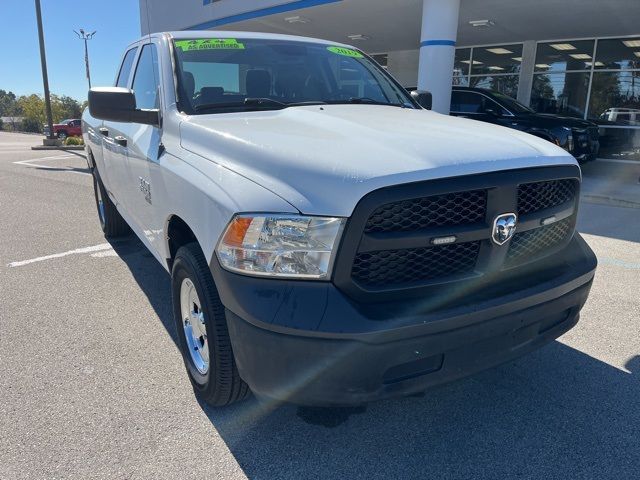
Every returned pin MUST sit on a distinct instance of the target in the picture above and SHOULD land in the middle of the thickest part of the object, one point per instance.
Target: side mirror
(424, 98)
(119, 105)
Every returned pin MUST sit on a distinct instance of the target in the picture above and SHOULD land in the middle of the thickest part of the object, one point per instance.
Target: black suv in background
(579, 137)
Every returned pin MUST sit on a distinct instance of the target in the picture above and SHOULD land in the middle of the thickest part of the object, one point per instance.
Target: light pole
(82, 35)
(45, 77)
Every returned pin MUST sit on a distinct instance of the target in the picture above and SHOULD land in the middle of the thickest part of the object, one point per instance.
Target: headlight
(293, 246)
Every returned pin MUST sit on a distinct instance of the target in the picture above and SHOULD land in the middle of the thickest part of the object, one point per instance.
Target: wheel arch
(178, 233)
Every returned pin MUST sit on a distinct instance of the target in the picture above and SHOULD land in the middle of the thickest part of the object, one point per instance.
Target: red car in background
(66, 128)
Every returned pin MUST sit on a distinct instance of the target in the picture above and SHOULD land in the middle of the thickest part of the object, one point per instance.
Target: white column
(525, 84)
(437, 50)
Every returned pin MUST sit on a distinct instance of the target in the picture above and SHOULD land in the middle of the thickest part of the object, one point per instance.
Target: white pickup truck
(330, 241)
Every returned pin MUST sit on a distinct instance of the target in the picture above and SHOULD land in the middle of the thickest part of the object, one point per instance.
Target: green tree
(70, 107)
(8, 105)
(32, 107)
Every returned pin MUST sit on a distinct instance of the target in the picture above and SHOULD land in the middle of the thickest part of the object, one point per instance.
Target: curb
(67, 147)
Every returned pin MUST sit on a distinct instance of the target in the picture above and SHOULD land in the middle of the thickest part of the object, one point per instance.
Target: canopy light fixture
(357, 37)
(297, 19)
(631, 43)
(597, 64)
(580, 56)
(495, 68)
(481, 23)
(637, 54)
(517, 59)
(499, 51)
(475, 62)
(563, 46)
(542, 65)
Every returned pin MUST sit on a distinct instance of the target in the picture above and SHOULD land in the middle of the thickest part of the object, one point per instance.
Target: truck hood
(324, 159)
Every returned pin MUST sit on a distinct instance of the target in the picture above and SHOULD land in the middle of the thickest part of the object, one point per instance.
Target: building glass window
(618, 54)
(615, 97)
(564, 55)
(382, 59)
(461, 66)
(497, 60)
(614, 102)
(560, 93)
(507, 84)
(491, 67)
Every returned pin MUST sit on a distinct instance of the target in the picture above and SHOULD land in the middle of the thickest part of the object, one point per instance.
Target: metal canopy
(395, 25)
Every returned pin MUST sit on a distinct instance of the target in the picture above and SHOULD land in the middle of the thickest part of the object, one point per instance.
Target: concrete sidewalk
(611, 183)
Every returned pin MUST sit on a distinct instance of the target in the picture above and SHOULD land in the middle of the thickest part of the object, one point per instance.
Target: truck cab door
(113, 171)
(143, 146)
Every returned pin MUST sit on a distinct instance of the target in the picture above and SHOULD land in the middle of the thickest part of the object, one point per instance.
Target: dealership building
(572, 57)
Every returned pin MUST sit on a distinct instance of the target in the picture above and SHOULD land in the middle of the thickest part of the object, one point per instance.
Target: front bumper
(307, 343)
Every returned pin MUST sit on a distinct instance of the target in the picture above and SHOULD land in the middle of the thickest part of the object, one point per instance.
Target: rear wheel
(202, 332)
(111, 222)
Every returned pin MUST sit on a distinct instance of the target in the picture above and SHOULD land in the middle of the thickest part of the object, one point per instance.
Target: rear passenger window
(466, 102)
(146, 79)
(125, 69)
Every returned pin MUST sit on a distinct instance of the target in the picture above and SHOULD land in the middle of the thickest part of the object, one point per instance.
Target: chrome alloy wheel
(195, 330)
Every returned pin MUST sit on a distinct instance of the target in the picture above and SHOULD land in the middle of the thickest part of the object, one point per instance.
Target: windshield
(223, 75)
(511, 104)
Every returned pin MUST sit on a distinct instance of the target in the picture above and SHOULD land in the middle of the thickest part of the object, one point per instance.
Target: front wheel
(62, 135)
(202, 332)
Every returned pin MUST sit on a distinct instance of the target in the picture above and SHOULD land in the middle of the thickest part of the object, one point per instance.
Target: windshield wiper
(255, 102)
(271, 101)
(368, 101)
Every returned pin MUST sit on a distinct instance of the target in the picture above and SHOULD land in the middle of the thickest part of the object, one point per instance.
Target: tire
(217, 382)
(111, 222)
(62, 135)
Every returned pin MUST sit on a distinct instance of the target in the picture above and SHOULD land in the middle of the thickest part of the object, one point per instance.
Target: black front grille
(529, 245)
(458, 208)
(433, 236)
(397, 267)
(533, 197)
(594, 133)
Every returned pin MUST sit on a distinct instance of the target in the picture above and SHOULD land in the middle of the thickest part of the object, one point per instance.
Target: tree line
(27, 112)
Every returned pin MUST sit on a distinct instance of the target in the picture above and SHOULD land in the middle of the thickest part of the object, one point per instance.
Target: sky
(117, 23)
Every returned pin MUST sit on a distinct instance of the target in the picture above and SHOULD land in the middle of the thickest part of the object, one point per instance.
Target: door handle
(120, 140)
(104, 131)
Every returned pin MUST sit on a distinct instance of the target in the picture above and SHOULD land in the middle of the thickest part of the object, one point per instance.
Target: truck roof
(194, 34)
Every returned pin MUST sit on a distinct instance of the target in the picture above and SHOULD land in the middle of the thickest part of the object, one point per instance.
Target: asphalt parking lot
(92, 384)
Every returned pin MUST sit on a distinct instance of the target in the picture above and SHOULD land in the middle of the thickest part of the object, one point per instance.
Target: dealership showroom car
(578, 137)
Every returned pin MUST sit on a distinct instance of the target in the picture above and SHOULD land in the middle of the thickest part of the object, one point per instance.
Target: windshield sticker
(209, 44)
(346, 52)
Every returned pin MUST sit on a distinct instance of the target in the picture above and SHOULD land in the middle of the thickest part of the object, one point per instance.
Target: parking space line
(103, 247)
(29, 163)
(52, 157)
